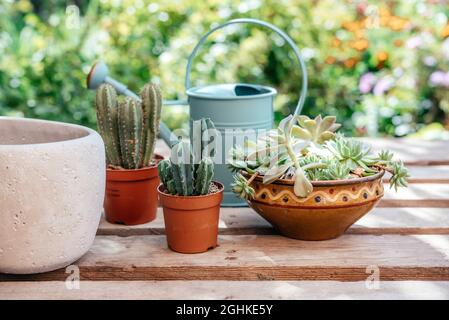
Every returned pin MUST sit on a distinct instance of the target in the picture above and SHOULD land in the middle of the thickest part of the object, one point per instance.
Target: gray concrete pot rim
(86, 133)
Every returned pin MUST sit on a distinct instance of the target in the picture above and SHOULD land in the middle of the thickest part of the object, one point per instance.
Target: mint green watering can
(236, 109)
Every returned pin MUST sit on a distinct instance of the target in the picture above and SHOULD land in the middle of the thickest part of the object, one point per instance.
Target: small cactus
(187, 173)
(129, 128)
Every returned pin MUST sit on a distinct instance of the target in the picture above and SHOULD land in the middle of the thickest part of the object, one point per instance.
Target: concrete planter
(52, 182)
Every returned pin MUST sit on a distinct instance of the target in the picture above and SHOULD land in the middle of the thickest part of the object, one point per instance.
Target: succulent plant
(241, 187)
(129, 127)
(317, 130)
(310, 151)
(185, 173)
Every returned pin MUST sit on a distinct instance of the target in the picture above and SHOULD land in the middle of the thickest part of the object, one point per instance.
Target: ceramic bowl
(331, 208)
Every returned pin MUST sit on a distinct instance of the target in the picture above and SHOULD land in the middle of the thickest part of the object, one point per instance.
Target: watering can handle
(303, 92)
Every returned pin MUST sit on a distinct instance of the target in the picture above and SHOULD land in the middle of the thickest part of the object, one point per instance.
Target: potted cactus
(189, 197)
(129, 128)
(309, 182)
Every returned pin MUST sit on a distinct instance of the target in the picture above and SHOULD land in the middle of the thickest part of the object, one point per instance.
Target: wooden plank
(414, 151)
(241, 221)
(417, 195)
(226, 290)
(267, 257)
(426, 174)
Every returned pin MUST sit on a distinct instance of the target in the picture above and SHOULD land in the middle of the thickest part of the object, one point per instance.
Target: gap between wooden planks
(205, 290)
(266, 257)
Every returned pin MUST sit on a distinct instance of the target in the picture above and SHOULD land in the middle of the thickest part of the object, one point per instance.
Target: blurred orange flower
(445, 31)
(351, 62)
(352, 25)
(397, 23)
(359, 44)
(330, 60)
(382, 56)
(335, 42)
(398, 43)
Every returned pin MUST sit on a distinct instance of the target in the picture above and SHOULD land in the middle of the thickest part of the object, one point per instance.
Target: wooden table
(405, 239)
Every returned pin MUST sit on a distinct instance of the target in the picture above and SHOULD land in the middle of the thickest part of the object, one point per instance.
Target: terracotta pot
(191, 223)
(131, 196)
(331, 208)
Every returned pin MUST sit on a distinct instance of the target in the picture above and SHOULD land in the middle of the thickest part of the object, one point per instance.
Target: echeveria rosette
(316, 130)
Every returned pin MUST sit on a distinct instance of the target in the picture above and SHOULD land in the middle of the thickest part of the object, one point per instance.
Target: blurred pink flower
(414, 42)
(367, 82)
(383, 85)
(439, 79)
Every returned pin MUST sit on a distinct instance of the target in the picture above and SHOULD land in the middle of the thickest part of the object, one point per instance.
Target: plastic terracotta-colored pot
(131, 196)
(329, 210)
(191, 223)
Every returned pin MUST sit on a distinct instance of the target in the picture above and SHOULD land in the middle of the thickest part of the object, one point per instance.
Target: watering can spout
(99, 74)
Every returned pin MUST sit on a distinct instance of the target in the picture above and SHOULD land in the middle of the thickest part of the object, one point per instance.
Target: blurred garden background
(382, 67)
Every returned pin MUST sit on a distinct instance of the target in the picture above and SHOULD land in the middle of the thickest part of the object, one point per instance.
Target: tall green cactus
(129, 128)
(107, 115)
(187, 173)
(151, 106)
(130, 132)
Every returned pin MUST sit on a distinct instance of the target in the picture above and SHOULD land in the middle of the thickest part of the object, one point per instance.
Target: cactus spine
(189, 173)
(151, 107)
(129, 128)
(107, 113)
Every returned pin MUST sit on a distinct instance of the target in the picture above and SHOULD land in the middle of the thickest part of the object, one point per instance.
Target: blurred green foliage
(379, 66)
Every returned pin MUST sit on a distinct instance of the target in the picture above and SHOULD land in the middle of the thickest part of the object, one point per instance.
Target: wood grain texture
(244, 221)
(413, 151)
(205, 290)
(267, 257)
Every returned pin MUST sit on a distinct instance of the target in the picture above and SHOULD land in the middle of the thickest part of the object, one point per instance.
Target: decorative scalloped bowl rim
(325, 183)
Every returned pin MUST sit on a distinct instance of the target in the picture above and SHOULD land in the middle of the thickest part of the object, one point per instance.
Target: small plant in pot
(309, 182)
(190, 199)
(129, 128)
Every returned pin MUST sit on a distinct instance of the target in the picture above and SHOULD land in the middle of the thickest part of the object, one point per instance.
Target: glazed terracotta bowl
(331, 208)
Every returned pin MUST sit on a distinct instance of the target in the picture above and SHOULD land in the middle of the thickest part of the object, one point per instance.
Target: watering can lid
(231, 91)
